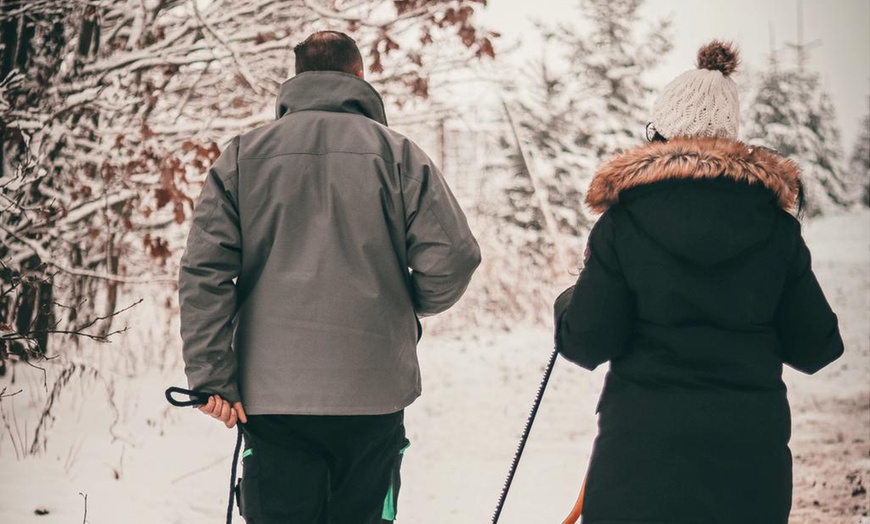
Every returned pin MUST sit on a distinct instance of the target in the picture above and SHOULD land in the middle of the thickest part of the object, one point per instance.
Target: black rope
(198, 398)
(234, 472)
(525, 437)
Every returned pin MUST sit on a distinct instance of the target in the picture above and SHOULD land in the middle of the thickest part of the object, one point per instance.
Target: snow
(141, 461)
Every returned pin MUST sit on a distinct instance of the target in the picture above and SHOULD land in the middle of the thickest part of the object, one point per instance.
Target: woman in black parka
(697, 287)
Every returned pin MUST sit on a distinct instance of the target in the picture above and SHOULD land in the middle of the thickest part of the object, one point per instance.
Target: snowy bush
(112, 111)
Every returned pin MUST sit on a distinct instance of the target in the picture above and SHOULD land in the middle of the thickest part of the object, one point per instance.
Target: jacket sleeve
(806, 326)
(442, 252)
(594, 319)
(206, 282)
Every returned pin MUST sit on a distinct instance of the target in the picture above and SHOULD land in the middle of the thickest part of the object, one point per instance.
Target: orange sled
(577, 510)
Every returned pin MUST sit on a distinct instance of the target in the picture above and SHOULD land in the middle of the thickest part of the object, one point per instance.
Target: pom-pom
(719, 56)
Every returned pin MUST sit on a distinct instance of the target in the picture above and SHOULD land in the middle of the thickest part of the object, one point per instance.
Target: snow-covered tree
(111, 111)
(792, 114)
(859, 165)
(585, 101)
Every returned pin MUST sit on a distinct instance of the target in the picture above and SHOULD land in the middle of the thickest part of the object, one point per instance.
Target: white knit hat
(703, 101)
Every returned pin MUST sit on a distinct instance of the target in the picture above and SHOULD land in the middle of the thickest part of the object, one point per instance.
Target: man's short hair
(328, 51)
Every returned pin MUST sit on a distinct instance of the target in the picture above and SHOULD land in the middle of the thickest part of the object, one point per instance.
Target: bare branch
(3, 393)
(43, 370)
(46, 258)
(240, 67)
(46, 416)
(96, 338)
(321, 10)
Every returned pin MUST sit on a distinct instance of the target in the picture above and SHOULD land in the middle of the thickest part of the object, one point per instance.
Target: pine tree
(859, 165)
(583, 102)
(579, 107)
(792, 114)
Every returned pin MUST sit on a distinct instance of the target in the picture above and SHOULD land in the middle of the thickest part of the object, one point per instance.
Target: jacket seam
(199, 230)
(236, 142)
(319, 153)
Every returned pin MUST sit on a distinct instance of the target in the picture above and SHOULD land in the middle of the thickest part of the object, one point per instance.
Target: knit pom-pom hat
(703, 101)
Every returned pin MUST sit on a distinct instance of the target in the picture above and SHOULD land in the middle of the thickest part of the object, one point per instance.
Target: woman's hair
(801, 201)
(652, 134)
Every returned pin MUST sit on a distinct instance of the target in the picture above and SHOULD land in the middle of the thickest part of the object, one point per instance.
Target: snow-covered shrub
(110, 114)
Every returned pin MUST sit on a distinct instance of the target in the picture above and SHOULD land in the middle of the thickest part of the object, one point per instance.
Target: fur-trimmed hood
(695, 158)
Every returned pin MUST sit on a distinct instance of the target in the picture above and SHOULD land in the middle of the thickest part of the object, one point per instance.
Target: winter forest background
(111, 111)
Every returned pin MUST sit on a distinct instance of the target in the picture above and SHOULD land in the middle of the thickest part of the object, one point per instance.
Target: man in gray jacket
(316, 243)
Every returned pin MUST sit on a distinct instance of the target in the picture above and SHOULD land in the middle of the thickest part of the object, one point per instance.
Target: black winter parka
(697, 287)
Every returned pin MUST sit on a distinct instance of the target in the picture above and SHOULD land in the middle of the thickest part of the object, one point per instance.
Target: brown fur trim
(698, 158)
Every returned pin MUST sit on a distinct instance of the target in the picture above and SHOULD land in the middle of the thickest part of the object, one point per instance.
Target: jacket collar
(695, 158)
(330, 91)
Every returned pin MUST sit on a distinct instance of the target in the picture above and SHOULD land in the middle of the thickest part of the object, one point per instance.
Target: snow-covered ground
(140, 461)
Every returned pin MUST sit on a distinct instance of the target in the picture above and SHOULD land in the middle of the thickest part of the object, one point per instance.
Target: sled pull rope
(525, 437)
(199, 398)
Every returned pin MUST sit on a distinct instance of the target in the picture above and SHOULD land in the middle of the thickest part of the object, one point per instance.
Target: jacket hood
(695, 158)
(704, 200)
(330, 91)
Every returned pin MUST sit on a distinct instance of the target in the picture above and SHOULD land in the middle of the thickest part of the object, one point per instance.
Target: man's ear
(360, 73)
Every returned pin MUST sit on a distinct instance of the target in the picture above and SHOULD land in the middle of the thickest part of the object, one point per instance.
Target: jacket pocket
(391, 502)
(248, 495)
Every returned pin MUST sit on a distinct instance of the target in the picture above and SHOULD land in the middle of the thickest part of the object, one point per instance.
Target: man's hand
(223, 411)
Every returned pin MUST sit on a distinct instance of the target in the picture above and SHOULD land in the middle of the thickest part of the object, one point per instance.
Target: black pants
(309, 469)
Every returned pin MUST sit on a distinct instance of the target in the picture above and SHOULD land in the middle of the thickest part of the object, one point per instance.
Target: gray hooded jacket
(315, 241)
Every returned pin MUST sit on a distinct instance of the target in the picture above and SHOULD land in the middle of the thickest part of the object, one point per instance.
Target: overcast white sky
(841, 27)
